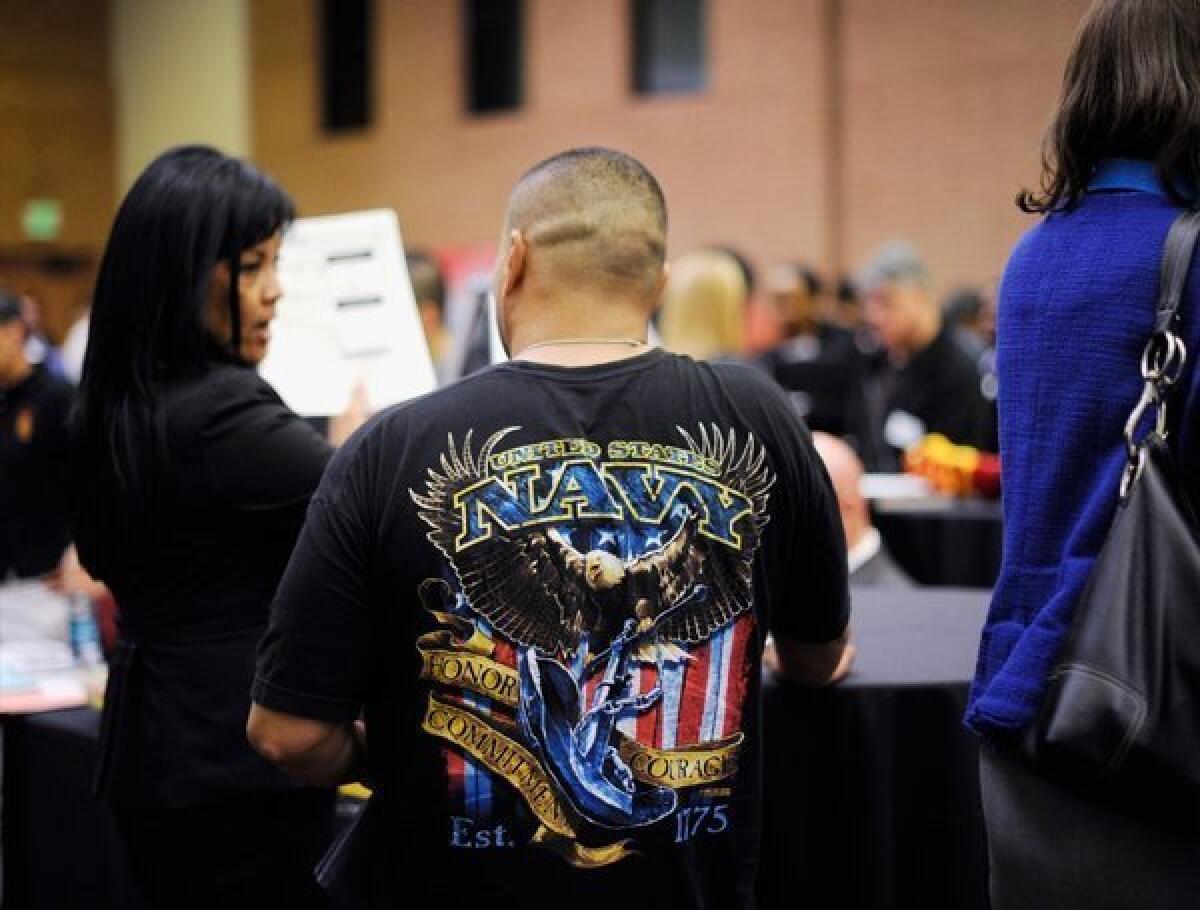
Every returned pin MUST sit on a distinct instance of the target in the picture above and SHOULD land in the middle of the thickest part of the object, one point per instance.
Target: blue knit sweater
(1075, 310)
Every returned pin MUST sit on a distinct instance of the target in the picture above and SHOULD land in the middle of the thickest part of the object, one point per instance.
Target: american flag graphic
(702, 701)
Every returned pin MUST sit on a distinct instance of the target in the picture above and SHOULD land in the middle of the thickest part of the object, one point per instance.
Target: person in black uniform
(817, 363)
(34, 524)
(193, 481)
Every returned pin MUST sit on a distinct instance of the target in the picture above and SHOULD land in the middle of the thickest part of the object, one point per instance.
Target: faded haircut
(592, 216)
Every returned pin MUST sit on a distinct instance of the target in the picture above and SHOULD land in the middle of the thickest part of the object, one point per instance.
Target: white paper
(347, 316)
(70, 688)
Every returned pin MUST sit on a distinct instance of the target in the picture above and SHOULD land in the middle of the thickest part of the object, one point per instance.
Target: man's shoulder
(396, 433)
(443, 403)
(757, 397)
(744, 378)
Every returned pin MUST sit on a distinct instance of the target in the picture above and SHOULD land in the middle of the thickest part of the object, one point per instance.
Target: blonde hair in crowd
(704, 309)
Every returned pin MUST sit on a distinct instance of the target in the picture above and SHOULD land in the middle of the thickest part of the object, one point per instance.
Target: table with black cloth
(872, 796)
(871, 786)
(956, 542)
(60, 846)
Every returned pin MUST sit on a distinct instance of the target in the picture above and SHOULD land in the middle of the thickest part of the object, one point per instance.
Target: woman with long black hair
(194, 479)
(1076, 308)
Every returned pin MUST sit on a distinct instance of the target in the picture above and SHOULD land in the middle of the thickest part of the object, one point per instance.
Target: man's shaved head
(592, 217)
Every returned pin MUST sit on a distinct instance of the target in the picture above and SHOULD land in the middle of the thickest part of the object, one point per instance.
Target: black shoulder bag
(1121, 716)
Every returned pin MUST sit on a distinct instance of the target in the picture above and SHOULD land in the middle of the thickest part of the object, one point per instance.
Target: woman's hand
(71, 578)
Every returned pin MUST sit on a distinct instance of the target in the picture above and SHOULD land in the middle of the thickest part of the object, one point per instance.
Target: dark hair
(604, 165)
(625, 233)
(963, 305)
(808, 279)
(1131, 90)
(847, 291)
(428, 283)
(10, 307)
(192, 208)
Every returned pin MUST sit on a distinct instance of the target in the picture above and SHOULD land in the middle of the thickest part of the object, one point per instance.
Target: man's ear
(660, 288)
(514, 263)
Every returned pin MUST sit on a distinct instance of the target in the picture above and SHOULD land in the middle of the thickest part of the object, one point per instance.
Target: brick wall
(827, 127)
(945, 105)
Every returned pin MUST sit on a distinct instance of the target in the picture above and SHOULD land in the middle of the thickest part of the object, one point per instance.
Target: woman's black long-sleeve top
(194, 584)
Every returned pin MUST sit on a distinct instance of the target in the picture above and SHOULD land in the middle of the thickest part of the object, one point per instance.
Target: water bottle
(83, 634)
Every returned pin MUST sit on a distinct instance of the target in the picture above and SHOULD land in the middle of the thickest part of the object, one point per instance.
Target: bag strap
(1176, 262)
(1165, 354)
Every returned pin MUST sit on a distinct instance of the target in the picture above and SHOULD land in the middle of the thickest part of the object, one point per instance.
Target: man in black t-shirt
(930, 384)
(546, 590)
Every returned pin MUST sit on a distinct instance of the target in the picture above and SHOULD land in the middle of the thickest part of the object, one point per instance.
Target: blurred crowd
(875, 362)
(874, 359)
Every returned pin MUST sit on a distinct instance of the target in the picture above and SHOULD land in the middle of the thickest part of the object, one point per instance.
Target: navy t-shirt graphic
(595, 618)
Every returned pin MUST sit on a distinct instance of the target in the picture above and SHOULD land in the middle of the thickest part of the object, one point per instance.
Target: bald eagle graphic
(533, 586)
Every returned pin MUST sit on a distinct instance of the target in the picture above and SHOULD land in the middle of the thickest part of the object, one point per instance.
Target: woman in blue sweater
(1122, 160)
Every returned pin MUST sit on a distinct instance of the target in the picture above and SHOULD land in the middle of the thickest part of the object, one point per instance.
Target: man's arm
(810, 602)
(311, 679)
(811, 664)
(314, 752)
